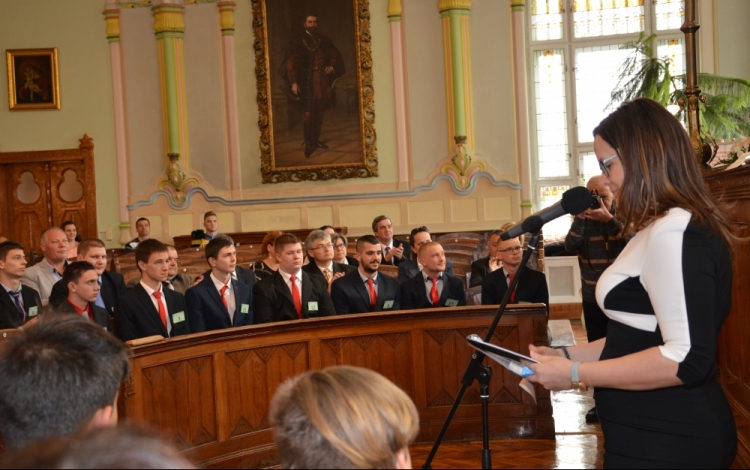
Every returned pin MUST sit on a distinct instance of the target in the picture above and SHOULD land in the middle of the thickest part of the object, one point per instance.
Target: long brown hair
(661, 171)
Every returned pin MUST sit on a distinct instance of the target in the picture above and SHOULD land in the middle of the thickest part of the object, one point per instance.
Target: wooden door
(68, 189)
(29, 202)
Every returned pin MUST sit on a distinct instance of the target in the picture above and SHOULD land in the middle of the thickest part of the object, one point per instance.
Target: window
(575, 53)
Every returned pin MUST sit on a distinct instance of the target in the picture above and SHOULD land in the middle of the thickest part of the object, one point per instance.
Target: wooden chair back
(389, 270)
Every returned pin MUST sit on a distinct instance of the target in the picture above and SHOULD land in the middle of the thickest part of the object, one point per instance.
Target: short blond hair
(342, 417)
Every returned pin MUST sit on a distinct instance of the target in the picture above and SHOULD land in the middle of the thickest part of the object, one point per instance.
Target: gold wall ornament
(169, 18)
(112, 17)
(445, 5)
(176, 184)
(461, 169)
(226, 17)
(276, 103)
(394, 8)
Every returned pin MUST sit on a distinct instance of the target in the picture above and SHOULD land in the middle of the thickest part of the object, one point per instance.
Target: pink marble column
(522, 104)
(226, 11)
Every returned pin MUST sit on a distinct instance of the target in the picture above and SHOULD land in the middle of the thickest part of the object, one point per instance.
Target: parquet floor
(576, 445)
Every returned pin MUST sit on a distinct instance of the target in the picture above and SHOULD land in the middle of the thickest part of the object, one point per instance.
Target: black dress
(262, 270)
(670, 288)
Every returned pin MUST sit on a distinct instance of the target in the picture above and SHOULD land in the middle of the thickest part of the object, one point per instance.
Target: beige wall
(733, 36)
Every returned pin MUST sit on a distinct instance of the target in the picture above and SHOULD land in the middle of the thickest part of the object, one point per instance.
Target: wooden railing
(209, 393)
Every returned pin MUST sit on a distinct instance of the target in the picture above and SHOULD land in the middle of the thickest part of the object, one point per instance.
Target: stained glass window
(551, 121)
(674, 50)
(670, 14)
(546, 20)
(596, 76)
(592, 18)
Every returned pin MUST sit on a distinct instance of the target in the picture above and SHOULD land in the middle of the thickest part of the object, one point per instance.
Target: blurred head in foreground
(343, 417)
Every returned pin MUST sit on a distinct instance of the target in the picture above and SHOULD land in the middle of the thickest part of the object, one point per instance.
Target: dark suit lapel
(307, 289)
(414, 268)
(10, 306)
(108, 292)
(445, 295)
(214, 294)
(422, 290)
(150, 309)
(282, 288)
(237, 304)
(363, 291)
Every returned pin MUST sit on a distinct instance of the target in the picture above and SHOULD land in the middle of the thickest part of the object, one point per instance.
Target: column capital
(226, 12)
(517, 5)
(447, 5)
(168, 18)
(112, 17)
(394, 10)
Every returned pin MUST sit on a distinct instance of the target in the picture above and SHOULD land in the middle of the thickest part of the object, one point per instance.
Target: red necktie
(295, 296)
(434, 293)
(223, 297)
(512, 294)
(162, 310)
(373, 294)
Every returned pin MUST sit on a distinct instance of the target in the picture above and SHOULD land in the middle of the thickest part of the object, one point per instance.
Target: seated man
(343, 417)
(43, 275)
(81, 281)
(149, 308)
(211, 224)
(60, 375)
(176, 281)
(532, 285)
(490, 263)
(408, 269)
(320, 252)
(143, 228)
(363, 290)
(290, 293)
(340, 244)
(218, 301)
(434, 287)
(18, 303)
(395, 251)
(112, 283)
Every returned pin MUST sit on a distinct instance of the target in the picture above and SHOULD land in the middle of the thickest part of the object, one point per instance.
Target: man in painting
(311, 68)
(35, 88)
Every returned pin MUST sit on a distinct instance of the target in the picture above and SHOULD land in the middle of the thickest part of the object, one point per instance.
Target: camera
(596, 202)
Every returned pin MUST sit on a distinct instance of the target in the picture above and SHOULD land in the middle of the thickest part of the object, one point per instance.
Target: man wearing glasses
(532, 285)
(320, 252)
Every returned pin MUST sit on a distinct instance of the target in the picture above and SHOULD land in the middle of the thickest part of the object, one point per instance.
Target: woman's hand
(545, 351)
(552, 372)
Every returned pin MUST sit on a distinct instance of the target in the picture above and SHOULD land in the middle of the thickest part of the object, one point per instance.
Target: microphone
(574, 201)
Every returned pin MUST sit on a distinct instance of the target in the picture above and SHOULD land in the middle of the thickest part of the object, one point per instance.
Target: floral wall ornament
(461, 169)
(176, 184)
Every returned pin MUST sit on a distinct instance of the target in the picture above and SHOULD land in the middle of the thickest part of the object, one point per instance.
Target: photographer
(595, 237)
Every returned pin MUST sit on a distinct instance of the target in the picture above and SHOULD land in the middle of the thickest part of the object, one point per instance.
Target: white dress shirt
(229, 295)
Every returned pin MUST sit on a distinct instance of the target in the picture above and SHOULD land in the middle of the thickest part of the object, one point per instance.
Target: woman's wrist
(562, 351)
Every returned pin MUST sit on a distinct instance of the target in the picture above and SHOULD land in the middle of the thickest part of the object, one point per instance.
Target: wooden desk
(209, 393)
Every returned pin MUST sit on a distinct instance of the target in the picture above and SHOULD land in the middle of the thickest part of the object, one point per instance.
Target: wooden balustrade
(209, 393)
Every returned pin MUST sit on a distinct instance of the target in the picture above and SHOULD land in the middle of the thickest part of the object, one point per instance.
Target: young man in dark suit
(112, 284)
(364, 290)
(150, 308)
(433, 287)
(290, 293)
(176, 280)
(532, 285)
(418, 237)
(218, 301)
(81, 281)
(18, 303)
(320, 253)
(395, 251)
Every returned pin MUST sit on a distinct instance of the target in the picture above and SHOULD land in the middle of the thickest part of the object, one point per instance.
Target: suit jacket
(313, 269)
(40, 278)
(101, 317)
(273, 299)
(408, 270)
(113, 286)
(479, 269)
(414, 293)
(245, 276)
(407, 252)
(137, 317)
(351, 295)
(9, 316)
(180, 283)
(352, 261)
(206, 309)
(532, 287)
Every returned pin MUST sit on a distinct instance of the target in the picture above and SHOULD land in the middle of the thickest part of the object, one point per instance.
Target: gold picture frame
(333, 116)
(33, 79)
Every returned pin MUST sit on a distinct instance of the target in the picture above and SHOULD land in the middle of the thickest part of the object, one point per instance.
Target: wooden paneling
(733, 354)
(210, 392)
(251, 238)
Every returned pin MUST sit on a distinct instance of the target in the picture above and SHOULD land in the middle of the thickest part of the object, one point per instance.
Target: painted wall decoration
(33, 81)
(315, 90)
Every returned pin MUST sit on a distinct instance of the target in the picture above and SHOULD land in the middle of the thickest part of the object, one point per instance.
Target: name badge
(33, 311)
(451, 303)
(312, 306)
(387, 304)
(178, 317)
(522, 302)
(245, 308)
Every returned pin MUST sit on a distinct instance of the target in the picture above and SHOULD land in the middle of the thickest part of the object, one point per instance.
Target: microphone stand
(478, 371)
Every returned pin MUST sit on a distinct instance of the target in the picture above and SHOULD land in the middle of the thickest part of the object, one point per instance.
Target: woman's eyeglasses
(605, 164)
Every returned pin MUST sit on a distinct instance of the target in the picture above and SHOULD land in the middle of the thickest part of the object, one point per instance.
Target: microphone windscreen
(576, 200)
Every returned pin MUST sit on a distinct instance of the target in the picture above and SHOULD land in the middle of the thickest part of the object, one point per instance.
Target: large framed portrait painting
(33, 80)
(315, 92)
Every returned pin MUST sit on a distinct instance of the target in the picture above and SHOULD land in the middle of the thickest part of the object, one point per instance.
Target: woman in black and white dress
(667, 296)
